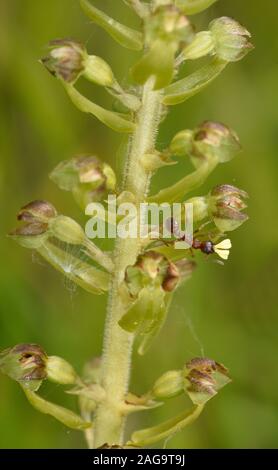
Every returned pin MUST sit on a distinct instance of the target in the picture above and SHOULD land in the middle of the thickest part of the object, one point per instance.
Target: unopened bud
(60, 371)
(68, 60)
(25, 363)
(31, 235)
(200, 207)
(181, 144)
(168, 385)
(201, 46)
(231, 39)
(211, 140)
(87, 177)
(65, 59)
(226, 203)
(214, 140)
(67, 230)
(96, 70)
(37, 211)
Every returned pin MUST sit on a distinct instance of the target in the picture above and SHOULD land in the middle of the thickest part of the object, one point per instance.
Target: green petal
(127, 37)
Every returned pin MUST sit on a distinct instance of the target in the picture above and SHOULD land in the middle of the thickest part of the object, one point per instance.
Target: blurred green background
(228, 313)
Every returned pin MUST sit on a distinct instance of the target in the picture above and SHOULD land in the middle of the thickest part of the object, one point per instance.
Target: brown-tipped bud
(231, 39)
(225, 204)
(36, 217)
(37, 211)
(65, 59)
(214, 140)
(87, 177)
(25, 363)
(204, 378)
(210, 140)
(68, 60)
(31, 235)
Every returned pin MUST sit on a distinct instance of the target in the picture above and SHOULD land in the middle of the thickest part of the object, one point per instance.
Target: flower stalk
(118, 343)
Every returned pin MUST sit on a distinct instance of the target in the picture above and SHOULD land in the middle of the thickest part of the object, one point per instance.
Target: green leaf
(127, 37)
(158, 62)
(65, 416)
(182, 90)
(149, 436)
(111, 119)
(67, 262)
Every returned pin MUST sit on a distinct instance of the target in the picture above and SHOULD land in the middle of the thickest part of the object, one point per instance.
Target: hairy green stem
(117, 350)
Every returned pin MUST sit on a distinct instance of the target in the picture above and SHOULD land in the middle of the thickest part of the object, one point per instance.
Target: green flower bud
(87, 177)
(231, 39)
(214, 140)
(168, 385)
(225, 205)
(96, 70)
(31, 235)
(68, 60)
(201, 46)
(65, 59)
(67, 230)
(200, 207)
(37, 211)
(203, 378)
(211, 140)
(181, 144)
(34, 232)
(60, 371)
(25, 363)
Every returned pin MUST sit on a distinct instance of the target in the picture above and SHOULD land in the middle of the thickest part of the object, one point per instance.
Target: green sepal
(159, 62)
(182, 90)
(127, 37)
(65, 416)
(149, 436)
(115, 121)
